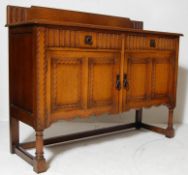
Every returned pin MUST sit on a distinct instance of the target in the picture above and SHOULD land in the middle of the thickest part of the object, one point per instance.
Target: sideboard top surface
(34, 15)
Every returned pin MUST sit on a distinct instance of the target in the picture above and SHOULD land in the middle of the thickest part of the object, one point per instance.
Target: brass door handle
(118, 83)
(125, 82)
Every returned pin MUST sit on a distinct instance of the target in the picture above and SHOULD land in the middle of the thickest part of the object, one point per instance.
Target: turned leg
(39, 163)
(14, 134)
(170, 129)
(138, 118)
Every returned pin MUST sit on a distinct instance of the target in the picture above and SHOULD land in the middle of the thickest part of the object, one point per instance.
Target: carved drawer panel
(82, 39)
(108, 41)
(149, 42)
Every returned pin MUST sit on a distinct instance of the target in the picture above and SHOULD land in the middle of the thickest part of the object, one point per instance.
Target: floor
(127, 153)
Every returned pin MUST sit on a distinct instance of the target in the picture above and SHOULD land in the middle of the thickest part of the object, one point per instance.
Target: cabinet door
(150, 77)
(137, 69)
(102, 76)
(81, 83)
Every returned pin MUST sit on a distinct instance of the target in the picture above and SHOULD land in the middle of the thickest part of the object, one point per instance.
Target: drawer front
(134, 42)
(82, 39)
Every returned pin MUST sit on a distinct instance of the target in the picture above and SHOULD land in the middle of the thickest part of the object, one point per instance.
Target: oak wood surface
(22, 14)
(17, 16)
(65, 64)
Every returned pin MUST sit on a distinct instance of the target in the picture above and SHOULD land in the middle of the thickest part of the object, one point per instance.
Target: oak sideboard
(65, 64)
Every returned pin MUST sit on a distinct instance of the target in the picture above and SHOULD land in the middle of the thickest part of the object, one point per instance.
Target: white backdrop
(161, 15)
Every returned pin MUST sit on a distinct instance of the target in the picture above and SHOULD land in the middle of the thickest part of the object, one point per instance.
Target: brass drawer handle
(118, 83)
(152, 43)
(88, 40)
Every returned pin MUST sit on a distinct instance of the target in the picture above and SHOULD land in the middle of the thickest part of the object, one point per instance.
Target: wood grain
(65, 64)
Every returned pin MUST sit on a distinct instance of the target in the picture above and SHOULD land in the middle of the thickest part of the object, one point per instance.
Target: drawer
(149, 42)
(82, 39)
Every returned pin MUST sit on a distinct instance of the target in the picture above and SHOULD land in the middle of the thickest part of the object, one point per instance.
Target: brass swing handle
(118, 83)
(125, 82)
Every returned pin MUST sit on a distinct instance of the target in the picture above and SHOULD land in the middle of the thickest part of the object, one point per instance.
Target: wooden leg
(170, 129)
(138, 119)
(39, 162)
(14, 134)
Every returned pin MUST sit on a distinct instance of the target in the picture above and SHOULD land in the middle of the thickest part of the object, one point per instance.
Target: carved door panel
(163, 77)
(103, 75)
(65, 81)
(137, 72)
